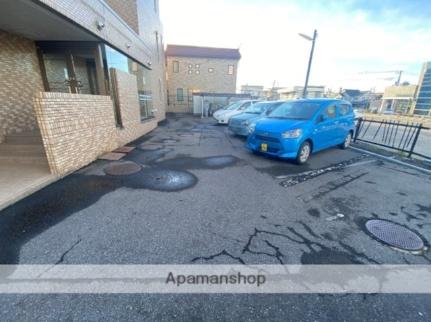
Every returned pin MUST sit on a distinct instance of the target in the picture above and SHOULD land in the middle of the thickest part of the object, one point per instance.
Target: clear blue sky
(354, 36)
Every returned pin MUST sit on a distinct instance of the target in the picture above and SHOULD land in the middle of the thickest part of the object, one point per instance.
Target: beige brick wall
(75, 128)
(127, 91)
(127, 10)
(20, 80)
(116, 31)
(219, 81)
(122, 32)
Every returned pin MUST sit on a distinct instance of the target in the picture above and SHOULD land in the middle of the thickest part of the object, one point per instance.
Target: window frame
(180, 98)
(230, 69)
(175, 66)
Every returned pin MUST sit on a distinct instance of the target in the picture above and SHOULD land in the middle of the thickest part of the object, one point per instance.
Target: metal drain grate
(395, 235)
(122, 168)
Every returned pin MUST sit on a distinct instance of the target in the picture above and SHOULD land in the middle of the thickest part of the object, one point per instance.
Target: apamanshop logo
(228, 279)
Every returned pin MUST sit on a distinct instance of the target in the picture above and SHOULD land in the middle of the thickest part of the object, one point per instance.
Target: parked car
(223, 109)
(295, 129)
(237, 108)
(239, 124)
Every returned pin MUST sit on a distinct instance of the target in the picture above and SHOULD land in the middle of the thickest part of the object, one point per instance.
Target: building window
(180, 95)
(176, 66)
(190, 71)
(190, 66)
(197, 66)
(210, 70)
(197, 71)
(230, 69)
(156, 5)
(117, 60)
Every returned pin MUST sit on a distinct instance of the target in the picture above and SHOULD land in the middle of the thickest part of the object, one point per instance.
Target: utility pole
(313, 41)
(399, 78)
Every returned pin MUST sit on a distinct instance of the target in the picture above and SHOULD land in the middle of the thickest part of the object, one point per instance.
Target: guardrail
(394, 135)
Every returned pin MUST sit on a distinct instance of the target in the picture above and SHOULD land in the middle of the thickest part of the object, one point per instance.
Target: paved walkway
(202, 198)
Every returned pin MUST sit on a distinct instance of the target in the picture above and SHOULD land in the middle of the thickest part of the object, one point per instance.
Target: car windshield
(233, 106)
(257, 108)
(295, 110)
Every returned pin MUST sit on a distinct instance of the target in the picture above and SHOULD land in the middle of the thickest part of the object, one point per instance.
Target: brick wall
(217, 81)
(127, 91)
(75, 128)
(120, 31)
(116, 31)
(127, 10)
(20, 80)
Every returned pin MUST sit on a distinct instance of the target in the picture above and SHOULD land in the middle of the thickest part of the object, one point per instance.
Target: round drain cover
(122, 168)
(167, 180)
(395, 235)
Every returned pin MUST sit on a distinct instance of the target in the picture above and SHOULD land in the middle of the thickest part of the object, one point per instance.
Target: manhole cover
(122, 168)
(395, 235)
(167, 180)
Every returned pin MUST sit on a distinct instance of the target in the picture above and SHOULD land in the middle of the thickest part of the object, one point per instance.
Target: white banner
(215, 279)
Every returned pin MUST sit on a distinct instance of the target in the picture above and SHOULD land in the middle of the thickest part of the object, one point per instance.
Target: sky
(355, 38)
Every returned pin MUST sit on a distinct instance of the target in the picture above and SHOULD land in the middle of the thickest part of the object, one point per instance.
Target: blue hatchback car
(297, 128)
(239, 124)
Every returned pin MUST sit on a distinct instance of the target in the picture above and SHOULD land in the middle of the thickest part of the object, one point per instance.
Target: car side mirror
(321, 118)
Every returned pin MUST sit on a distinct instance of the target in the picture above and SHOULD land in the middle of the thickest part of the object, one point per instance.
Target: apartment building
(423, 100)
(77, 79)
(192, 69)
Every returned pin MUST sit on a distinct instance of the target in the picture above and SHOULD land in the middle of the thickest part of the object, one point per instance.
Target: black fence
(394, 135)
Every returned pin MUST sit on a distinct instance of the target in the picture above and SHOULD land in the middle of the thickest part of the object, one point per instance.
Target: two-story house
(193, 69)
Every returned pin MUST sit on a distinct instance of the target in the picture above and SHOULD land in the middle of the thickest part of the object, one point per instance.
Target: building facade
(84, 77)
(106, 55)
(422, 105)
(297, 92)
(193, 69)
(255, 91)
(398, 99)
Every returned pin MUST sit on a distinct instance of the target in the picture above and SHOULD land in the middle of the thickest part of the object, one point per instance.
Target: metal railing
(394, 135)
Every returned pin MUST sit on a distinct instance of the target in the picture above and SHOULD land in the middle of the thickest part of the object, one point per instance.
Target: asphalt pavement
(201, 197)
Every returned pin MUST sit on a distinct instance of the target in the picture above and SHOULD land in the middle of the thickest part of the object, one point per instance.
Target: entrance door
(69, 68)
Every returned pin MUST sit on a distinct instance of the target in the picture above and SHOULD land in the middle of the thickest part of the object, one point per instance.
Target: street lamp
(313, 40)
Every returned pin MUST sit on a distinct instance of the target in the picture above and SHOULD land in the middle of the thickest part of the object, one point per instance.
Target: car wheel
(347, 141)
(303, 153)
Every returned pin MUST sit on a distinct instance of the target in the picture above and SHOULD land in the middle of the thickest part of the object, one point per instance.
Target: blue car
(297, 128)
(239, 124)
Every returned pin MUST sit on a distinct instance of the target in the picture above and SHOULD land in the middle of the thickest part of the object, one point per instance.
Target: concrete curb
(392, 160)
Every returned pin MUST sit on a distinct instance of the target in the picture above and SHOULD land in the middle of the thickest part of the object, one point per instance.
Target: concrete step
(29, 148)
(23, 139)
(17, 159)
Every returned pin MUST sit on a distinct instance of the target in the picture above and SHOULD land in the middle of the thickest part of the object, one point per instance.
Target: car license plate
(264, 147)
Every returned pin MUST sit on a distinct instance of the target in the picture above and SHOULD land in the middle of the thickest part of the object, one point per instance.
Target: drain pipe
(392, 160)
(202, 110)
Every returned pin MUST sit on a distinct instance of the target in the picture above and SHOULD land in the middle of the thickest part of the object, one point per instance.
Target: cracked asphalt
(202, 198)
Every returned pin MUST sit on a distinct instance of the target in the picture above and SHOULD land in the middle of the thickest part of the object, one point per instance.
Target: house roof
(352, 92)
(202, 52)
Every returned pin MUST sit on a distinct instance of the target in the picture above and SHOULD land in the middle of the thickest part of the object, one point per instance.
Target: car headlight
(251, 127)
(292, 134)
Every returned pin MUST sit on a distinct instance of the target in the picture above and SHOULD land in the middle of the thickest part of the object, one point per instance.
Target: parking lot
(203, 198)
